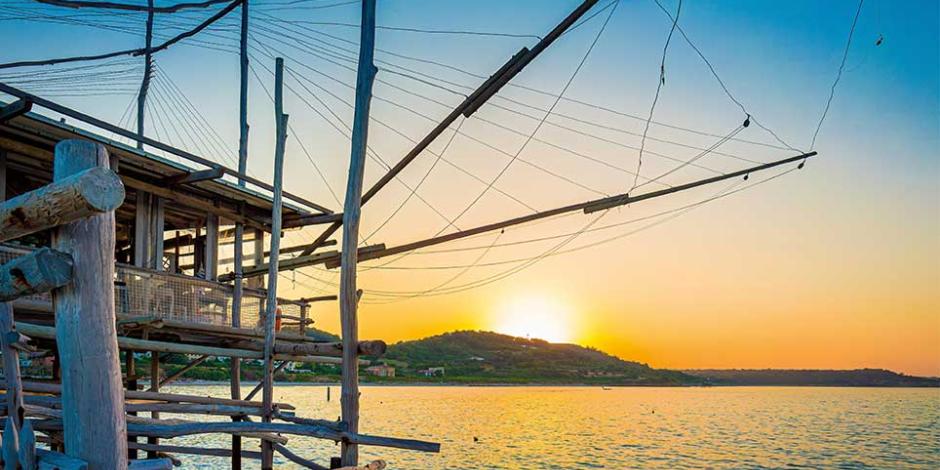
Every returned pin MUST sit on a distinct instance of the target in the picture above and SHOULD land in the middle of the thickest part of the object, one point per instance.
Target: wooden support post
(239, 228)
(11, 366)
(148, 69)
(351, 211)
(86, 193)
(142, 221)
(267, 396)
(258, 260)
(130, 368)
(92, 397)
(304, 308)
(212, 247)
(154, 387)
(156, 233)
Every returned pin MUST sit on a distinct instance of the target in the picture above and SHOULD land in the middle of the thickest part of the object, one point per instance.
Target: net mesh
(144, 292)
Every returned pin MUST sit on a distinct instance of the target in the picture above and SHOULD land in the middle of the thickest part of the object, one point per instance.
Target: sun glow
(535, 317)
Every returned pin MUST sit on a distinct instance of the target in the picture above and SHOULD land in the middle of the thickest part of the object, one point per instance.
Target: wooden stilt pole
(145, 83)
(239, 228)
(154, 387)
(92, 397)
(351, 211)
(11, 366)
(267, 400)
(131, 374)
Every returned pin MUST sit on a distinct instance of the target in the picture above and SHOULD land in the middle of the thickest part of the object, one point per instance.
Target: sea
(617, 428)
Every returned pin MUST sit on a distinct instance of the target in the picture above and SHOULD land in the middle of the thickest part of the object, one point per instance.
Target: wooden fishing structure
(110, 252)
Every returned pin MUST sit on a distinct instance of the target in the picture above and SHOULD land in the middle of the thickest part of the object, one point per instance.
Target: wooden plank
(351, 212)
(92, 397)
(82, 194)
(38, 271)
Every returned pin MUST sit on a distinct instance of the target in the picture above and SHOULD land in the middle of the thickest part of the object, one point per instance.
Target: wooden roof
(29, 141)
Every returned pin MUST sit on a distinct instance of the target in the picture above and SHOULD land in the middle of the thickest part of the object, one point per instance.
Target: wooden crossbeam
(195, 176)
(14, 109)
(305, 220)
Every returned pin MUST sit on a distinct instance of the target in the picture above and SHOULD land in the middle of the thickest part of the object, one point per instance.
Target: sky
(836, 265)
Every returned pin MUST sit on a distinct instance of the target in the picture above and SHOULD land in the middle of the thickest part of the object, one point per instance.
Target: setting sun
(535, 317)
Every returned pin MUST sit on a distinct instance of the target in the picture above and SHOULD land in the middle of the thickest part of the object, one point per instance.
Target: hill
(486, 357)
(813, 377)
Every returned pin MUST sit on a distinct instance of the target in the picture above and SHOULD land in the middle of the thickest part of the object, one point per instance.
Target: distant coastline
(481, 358)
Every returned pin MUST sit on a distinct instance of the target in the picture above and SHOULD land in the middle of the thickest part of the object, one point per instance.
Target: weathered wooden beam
(299, 262)
(589, 206)
(135, 344)
(305, 220)
(83, 194)
(210, 451)
(320, 432)
(14, 109)
(92, 397)
(321, 298)
(51, 388)
(36, 272)
(194, 176)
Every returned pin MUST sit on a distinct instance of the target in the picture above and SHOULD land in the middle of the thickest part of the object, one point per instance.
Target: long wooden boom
(331, 259)
(473, 102)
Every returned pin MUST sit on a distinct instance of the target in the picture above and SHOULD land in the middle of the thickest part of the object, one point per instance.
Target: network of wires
(527, 149)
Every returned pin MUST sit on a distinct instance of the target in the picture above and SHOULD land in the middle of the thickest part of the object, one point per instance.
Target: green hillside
(486, 357)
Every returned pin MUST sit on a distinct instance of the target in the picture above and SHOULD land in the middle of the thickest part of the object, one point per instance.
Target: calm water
(572, 427)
